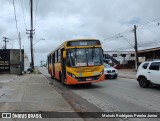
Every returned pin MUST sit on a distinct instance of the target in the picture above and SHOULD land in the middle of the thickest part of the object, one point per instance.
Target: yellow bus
(77, 61)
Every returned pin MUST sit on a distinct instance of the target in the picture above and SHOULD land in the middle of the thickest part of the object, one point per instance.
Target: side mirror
(64, 54)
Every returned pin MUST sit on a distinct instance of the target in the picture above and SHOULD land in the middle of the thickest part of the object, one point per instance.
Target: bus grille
(85, 79)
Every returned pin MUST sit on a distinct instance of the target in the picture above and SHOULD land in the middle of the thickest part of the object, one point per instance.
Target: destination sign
(84, 43)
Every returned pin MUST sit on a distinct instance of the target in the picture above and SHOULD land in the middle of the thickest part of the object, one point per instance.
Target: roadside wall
(15, 61)
(10, 61)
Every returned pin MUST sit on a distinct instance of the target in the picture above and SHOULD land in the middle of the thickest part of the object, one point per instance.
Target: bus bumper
(83, 80)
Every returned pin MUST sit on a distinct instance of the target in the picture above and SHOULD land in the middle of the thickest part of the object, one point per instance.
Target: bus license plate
(88, 79)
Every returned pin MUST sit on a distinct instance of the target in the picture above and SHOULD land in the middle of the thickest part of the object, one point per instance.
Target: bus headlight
(101, 73)
(72, 75)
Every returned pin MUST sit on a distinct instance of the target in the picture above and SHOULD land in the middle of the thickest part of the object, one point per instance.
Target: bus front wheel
(62, 79)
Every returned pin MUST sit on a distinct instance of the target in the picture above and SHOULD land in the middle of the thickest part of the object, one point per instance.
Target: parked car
(148, 73)
(118, 66)
(110, 72)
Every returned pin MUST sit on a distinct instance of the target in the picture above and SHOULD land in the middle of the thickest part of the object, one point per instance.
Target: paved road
(120, 94)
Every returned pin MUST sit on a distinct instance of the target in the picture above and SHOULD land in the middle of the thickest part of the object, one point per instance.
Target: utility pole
(20, 54)
(41, 62)
(136, 48)
(32, 57)
(31, 34)
(5, 40)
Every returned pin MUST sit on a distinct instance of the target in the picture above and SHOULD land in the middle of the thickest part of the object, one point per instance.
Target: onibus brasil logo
(21, 115)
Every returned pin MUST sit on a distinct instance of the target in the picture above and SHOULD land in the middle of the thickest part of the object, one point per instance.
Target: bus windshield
(84, 57)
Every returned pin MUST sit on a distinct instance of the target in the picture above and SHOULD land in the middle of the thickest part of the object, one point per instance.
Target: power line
(126, 40)
(148, 27)
(15, 18)
(139, 45)
(153, 41)
(19, 37)
(112, 38)
(117, 35)
(149, 24)
(36, 13)
(154, 20)
(27, 9)
(148, 44)
(23, 14)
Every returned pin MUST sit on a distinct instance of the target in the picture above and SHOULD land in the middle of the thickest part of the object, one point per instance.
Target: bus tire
(62, 80)
(51, 75)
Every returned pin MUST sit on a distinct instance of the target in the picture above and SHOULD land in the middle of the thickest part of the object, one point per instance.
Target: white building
(119, 57)
(26, 62)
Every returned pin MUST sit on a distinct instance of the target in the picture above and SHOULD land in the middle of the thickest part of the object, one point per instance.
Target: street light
(136, 53)
(36, 43)
(126, 41)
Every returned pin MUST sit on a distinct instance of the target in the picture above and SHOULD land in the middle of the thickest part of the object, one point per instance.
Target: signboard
(4, 60)
(141, 59)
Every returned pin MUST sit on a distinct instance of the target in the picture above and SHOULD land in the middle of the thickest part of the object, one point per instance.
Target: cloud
(60, 20)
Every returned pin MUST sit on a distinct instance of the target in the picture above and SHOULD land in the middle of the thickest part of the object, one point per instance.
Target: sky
(55, 21)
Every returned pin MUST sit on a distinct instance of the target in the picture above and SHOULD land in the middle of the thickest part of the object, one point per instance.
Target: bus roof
(65, 43)
(81, 39)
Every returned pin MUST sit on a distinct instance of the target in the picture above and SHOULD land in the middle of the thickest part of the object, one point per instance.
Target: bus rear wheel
(52, 77)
